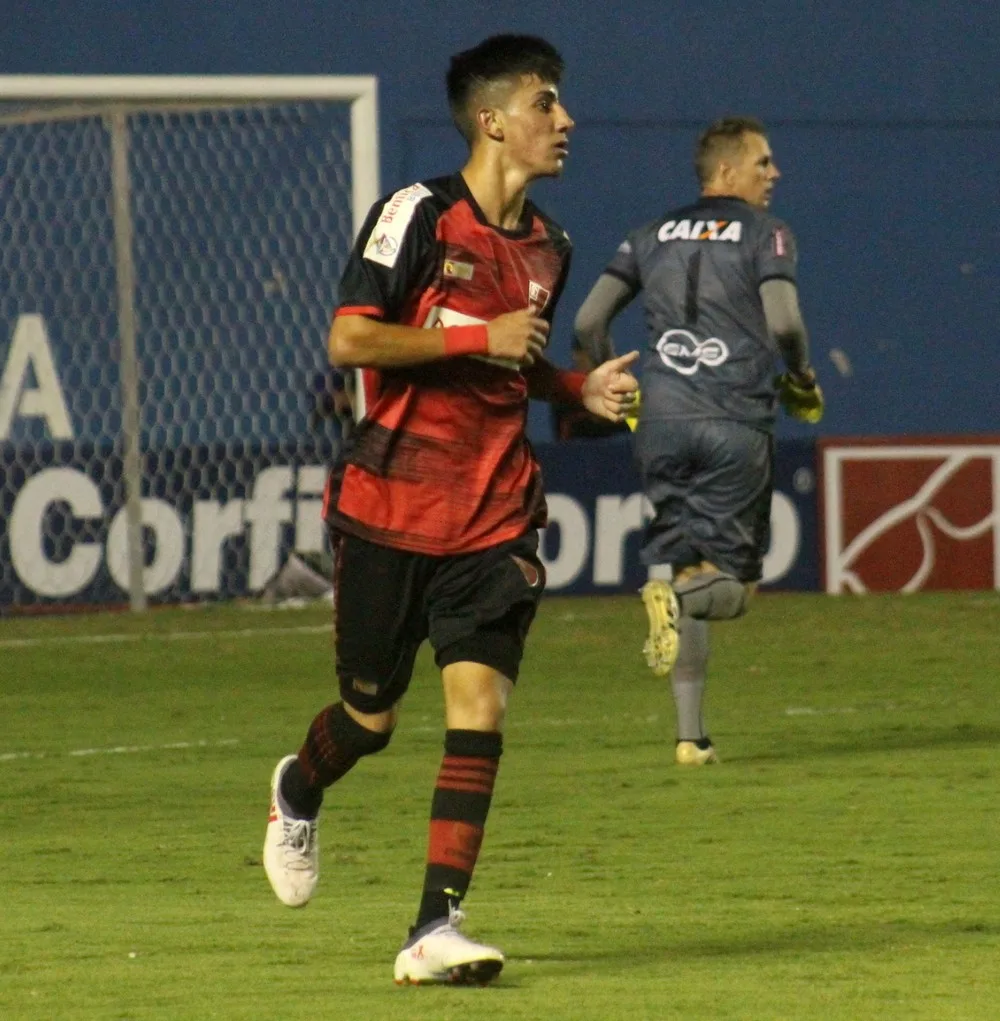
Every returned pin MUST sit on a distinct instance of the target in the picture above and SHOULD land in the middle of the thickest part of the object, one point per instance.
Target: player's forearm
(595, 341)
(592, 325)
(357, 341)
(784, 320)
(794, 348)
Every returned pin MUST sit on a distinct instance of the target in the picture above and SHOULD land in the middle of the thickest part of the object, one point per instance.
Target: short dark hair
(495, 59)
(721, 140)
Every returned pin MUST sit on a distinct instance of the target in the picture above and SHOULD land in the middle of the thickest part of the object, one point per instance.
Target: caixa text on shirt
(701, 230)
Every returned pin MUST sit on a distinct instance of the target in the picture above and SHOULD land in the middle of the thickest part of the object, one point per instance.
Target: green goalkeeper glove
(801, 397)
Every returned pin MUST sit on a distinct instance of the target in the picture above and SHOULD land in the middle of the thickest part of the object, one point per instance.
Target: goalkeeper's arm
(780, 299)
(592, 326)
(798, 390)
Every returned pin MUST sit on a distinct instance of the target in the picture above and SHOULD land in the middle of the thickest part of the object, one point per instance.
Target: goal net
(170, 254)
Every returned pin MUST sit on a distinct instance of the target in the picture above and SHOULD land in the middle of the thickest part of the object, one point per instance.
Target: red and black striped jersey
(440, 463)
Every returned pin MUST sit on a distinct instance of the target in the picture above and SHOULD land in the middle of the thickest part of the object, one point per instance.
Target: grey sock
(712, 596)
(688, 678)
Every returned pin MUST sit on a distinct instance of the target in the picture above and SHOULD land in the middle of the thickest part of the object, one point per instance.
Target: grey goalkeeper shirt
(699, 268)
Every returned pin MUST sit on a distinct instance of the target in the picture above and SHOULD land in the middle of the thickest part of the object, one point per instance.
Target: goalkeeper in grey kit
(718, 280)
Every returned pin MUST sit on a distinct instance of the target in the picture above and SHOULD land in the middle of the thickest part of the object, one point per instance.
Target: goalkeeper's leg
(704, 593)
(694, 747)
(707, 593)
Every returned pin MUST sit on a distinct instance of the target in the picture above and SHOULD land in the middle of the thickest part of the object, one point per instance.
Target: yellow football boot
(689, 754)
(663, 612)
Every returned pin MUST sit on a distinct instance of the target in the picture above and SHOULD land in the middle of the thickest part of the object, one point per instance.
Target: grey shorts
(710, 483)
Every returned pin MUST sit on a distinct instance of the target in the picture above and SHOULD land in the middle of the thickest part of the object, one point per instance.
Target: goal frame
(136, 91)
(114, 97)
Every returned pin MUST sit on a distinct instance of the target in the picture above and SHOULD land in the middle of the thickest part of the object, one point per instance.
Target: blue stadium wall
(885, 119)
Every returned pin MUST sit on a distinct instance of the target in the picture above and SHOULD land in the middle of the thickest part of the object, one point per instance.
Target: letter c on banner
(27, 538)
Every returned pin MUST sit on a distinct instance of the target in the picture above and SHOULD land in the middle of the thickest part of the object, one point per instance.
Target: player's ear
(490, 122)
(724, 172)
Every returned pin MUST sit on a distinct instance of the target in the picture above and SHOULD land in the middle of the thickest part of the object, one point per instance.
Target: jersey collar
(522, 230)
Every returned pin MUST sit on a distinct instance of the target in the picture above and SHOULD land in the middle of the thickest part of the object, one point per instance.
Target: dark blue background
(885, 119)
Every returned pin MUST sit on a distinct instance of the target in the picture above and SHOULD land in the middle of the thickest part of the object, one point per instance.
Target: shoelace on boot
(298, 842)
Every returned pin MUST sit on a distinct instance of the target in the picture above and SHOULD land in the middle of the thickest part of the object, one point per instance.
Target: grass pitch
(841, 862)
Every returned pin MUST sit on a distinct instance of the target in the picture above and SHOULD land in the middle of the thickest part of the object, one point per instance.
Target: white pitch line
(130, 749)
(810, 711)
(419, 728)
(168, 636)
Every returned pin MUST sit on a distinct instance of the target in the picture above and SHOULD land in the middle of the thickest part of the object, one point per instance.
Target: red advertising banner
(910, 514)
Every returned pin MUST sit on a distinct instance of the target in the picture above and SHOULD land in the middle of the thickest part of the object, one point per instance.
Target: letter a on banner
(30, 348)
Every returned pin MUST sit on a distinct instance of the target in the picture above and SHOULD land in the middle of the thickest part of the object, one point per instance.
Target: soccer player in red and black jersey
(446, 306)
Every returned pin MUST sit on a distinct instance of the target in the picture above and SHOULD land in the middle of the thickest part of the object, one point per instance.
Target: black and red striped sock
(333, 745)
(459, 808)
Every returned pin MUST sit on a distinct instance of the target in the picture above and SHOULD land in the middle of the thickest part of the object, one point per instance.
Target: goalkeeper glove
(632, 415)
(801, 396)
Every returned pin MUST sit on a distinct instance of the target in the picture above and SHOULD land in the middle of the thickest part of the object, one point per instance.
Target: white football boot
(291, 849)
(439, 953)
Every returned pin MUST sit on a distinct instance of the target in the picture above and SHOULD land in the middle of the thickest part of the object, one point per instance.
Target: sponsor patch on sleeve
(387, 235)
(780, 241)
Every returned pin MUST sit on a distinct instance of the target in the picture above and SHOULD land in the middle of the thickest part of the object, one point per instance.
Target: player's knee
(481, 707)
(365, 733)
(373, 742)
(476, 681)
(712, 595)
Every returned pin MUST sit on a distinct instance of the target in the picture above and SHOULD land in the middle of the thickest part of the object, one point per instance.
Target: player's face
(536, 128)
(753, 172)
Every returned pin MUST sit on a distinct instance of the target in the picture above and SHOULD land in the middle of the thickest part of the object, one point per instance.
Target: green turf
(841, 863)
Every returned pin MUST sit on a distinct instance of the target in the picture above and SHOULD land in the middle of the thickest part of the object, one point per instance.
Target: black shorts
(710, 483)
(474, 607)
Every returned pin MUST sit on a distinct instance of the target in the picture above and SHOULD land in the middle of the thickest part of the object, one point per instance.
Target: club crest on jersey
(684, 352)
(538, 296)
(701, 230)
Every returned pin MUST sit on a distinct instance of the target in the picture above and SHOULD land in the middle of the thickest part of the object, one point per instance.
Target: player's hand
(801, 396)
(518, 337)
(610, 391)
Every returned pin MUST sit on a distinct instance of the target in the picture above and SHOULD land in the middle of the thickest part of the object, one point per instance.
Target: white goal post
(360, 91)
(170, 256)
